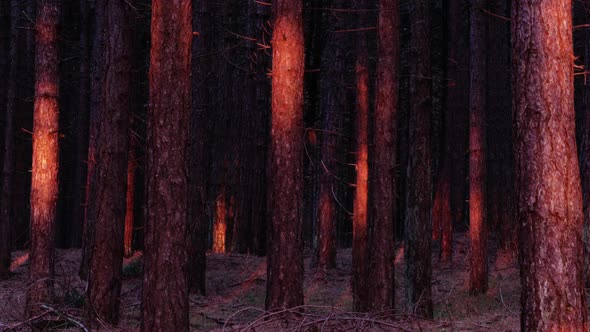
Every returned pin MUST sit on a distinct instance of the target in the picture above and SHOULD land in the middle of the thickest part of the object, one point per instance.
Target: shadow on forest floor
(236, 288)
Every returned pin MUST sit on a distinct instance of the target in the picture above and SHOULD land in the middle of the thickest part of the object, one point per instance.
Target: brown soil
(236, 287)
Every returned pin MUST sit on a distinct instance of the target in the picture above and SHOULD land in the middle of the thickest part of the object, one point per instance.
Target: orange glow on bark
(220, 226)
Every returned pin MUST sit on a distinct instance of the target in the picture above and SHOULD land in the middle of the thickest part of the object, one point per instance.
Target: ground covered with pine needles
(236, 289)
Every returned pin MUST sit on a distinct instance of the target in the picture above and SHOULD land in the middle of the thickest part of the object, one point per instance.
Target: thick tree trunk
(44, 181)
(360, 254)
(165, 282)
(97, 61)
(584, 157)
(8, 160)
(333, 105)
(549, 205)
(478, 276)
(419, 192)
(381, 269)
(107, 196)
(285, 243)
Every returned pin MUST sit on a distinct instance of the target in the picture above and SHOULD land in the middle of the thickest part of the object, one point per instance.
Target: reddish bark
(44, 181)
(478, 276)
(381, 269)
(107, 196)
(549, 204)
(165, 283)
(419, 202)
(285, 243)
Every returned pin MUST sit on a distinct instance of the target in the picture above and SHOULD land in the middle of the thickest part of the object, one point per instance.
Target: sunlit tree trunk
(381, 269)
(44, 182)
(165, 283)
(549, 204)
(285, 187)
(419, 193)
(8, 161)
(333, 105)
(478, 272)
(107, 196)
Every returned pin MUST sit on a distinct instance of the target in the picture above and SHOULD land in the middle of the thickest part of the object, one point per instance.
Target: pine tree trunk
(285, 185)
(44, 182)
(130, 195)
(8, 158)
(549, 205)
(107, 196)
(381, 269)
(165, 283)
(419, 192)
(478, 276)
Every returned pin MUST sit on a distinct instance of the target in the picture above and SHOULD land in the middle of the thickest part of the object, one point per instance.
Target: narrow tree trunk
(44, 182)
(381, 270)
(419, 192)
(285, 243)
(165, 282)
(130, 196)
(97, 61)
(107, 196)
(549, 205)
(360, 254)
(8, 161)
(585, 159)
(478, 276)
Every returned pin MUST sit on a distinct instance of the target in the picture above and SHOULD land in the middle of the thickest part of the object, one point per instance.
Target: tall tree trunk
(360, 254)
(381, 269)
(478, 276)
(285, 243)
(333, 105)
(97, 61)
(130, 194)
(419, 192)
(549, 205)
(107, 196)
(165, 282)
(8, 161)
(81, 131)
(44, 182)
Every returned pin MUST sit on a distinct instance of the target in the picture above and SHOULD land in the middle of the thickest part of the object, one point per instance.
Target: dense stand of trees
(276, 128)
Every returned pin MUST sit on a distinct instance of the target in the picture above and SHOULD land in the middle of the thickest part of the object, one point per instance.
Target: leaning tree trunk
(107, 196)
(284, 286)
(44, 182)
(381, 269)
(165, 282)
(419, 191)
(478, 272)
(8, 161)
(549, 204)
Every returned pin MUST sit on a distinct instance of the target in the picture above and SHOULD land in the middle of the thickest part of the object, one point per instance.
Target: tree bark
(285, 243)
(165, 282)
(8, 160)
(478, 276)
(44, 181)
(130, 194)
(419, 191)
(381, 269)
(107, 196)
(549, 204)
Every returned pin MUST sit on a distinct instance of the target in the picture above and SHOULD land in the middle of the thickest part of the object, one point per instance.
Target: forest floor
(236, 289)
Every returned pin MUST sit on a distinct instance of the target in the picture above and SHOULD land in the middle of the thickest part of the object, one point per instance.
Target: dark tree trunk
(81, 131)
(285, 186)
(107, 196)
(381, 269)
(130, 194)
(165, 282)
(97, 61)
(549, 204)
(44, 181)
(201, 108)
(584, 157)
(419, 192)
(8, 158)
(478, 276)
(360, 254)
(333, 105)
